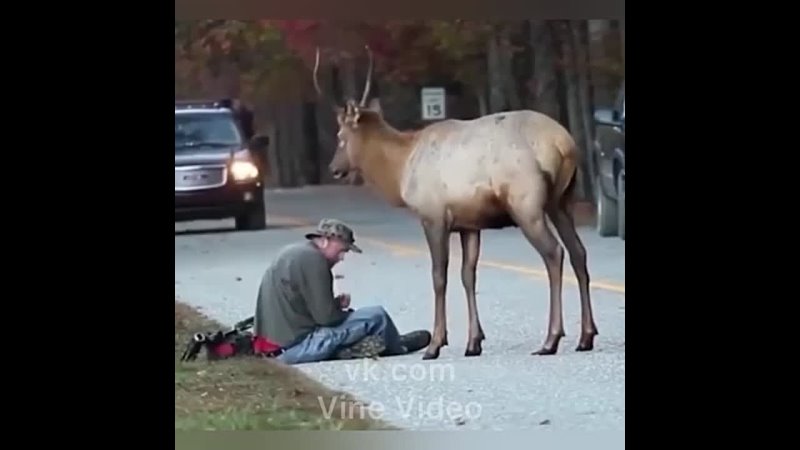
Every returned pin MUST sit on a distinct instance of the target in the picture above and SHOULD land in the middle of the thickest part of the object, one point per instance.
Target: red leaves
(403, 50)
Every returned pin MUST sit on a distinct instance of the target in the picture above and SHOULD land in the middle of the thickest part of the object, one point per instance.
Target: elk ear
(340, 115)
(375, 105)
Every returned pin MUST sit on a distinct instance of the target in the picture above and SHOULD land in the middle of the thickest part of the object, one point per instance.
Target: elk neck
(386, 151)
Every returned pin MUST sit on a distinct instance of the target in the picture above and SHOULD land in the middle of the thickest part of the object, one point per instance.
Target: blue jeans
(324, 342)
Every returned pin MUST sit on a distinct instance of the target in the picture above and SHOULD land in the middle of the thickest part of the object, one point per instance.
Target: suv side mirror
(605, 116)
(259, 142)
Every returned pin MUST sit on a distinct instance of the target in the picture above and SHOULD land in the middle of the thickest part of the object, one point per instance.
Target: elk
(507, 169)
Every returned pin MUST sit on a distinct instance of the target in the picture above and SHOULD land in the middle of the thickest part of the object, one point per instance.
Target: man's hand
(344, 300)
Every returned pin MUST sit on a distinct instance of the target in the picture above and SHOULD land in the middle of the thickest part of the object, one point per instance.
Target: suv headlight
(242, 168)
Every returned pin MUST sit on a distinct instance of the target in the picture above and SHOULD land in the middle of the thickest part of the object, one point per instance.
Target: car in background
(609, 165)
(218, 173)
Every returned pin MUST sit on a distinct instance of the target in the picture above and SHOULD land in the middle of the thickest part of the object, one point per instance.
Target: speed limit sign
(433, 103)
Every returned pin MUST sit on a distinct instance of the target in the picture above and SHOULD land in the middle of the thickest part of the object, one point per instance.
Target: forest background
(563, 68)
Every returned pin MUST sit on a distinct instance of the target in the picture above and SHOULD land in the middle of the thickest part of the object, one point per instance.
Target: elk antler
(368, 82)
(322, 95)
(316, 70)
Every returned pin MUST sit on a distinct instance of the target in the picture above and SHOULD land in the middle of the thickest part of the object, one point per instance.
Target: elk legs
(470, 251)
(437, 236)
(540, 236)
(577, 255)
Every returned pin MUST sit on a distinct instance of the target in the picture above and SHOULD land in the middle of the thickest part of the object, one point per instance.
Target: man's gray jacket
(296, 295)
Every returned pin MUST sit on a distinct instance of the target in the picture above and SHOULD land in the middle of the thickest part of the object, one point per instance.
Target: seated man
(298, 311)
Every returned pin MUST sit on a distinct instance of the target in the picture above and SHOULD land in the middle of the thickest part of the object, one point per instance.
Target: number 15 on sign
(433, 103)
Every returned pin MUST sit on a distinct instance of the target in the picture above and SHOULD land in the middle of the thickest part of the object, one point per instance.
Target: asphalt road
(506, 388)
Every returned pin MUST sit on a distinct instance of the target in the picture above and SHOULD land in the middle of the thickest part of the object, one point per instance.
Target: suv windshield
(192, 129)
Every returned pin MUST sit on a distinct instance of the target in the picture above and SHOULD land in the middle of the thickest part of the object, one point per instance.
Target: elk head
(351, 118)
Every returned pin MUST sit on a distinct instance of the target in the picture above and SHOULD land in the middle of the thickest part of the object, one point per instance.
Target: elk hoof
(585, 344)
(545, 351)
(431, 354)
(474, 348)
(473, 352)
(434, 347)
(550, 346)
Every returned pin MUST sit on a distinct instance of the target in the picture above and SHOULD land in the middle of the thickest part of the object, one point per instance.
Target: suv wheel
(607, 217)
(255, 219)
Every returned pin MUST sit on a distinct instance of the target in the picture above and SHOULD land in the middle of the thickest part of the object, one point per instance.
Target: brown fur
(509, 169)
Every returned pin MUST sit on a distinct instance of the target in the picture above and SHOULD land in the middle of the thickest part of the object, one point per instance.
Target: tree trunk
(495, 72)
(509, 83)
(304, 132)
(348, 79)
(274, 177)
(274, 116)
(224, 77)
(263, 122)
(622, 39)
(326, 127)
(580, 42)
(545, 83)
(284, 123)
(574, 111)
(289, 151)
(483, 107)
(598, 55)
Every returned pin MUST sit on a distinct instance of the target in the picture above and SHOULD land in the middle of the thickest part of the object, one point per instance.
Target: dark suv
(609, 163)
(217, 170)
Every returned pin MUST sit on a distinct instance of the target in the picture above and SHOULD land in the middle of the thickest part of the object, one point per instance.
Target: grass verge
(253, 394)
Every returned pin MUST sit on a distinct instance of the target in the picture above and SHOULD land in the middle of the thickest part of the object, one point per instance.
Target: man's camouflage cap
(338, 229)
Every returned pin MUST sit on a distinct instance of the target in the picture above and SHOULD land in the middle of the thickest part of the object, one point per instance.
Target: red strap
(264, 345)
(223, 350)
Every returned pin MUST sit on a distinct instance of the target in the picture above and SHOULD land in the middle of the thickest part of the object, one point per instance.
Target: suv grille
(189, 178)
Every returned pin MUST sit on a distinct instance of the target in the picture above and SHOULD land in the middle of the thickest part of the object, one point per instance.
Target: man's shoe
(415, 340)
(369, 347)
